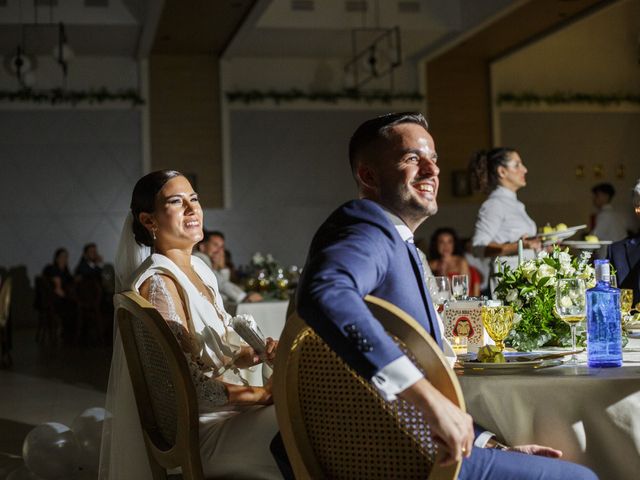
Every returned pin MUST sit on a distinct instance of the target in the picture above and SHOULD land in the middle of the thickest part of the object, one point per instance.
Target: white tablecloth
(270, 317)
(592, 415)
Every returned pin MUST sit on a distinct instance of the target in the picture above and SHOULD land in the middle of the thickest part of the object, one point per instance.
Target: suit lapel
(426, 298)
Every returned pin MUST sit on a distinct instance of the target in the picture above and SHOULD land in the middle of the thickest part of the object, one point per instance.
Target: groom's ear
(366, 176)
(146, 219)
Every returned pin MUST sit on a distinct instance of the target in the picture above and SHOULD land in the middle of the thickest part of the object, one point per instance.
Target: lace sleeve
(211, 392)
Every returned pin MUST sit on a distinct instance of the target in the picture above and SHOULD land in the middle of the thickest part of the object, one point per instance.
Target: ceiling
(241, 28)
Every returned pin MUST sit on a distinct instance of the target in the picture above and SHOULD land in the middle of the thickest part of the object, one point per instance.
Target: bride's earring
(153, 234)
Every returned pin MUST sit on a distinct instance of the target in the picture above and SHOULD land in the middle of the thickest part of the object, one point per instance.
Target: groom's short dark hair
(378, 128)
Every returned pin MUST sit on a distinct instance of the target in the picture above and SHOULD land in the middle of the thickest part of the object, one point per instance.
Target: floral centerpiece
(530, 289)
(265, 274)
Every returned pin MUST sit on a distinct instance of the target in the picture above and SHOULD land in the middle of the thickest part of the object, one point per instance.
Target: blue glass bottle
(604, 330)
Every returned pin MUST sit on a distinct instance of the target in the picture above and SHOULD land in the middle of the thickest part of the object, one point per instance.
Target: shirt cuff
(482, 439)
(396, 377)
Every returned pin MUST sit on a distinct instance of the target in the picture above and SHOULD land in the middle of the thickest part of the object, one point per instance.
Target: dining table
(591, 414)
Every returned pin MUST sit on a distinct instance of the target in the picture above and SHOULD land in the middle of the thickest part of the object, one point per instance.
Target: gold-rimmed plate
(510, 366)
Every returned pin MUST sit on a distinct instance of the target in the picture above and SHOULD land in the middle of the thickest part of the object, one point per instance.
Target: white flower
(528, 269)
(565, 301)
(546, 271)
(516, 318)
(517, 303)
(270, 258)
(564, 258)
(567, 270)
(257, 258)
(543, 254)
(511, 295)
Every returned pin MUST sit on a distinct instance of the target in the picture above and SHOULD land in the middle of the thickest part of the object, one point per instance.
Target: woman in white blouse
(502, 219)
(237, 420)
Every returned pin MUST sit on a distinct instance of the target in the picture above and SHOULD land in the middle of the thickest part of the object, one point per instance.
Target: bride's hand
(272, 348)
(241, 395)
(246, 357)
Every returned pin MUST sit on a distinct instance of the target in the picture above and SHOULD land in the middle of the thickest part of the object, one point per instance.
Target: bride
(237, 421)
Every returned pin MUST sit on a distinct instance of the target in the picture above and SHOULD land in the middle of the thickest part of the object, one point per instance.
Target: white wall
(67, 177)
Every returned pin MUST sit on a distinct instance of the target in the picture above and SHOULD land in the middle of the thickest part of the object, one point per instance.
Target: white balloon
(87, 427)
(51, 451)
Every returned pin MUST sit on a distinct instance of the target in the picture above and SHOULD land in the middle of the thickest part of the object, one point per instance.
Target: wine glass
(497, 321)
(460, 286)
(440, 290)
(626, 304)
(571, 307)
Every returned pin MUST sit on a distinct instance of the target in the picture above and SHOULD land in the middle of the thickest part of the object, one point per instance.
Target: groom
(366, 247)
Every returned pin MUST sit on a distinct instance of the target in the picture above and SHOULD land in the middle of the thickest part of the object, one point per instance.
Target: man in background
(211, 251)
(608, 224)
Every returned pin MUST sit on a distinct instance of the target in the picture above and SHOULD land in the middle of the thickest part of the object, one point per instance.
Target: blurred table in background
(591, 414)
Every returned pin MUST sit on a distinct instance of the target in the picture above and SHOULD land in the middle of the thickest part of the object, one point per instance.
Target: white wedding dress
(234, 440)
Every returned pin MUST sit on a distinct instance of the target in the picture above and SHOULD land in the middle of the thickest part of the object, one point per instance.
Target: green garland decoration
(247, 97)
(565, 98)
(59, 96)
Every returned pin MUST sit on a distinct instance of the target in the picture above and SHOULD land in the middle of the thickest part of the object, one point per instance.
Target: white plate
(586, 245)
(507, 367)
(561, 235)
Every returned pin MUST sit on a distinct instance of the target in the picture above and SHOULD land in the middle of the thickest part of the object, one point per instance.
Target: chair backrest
(165, 394)
(334, 423)
(5, 302)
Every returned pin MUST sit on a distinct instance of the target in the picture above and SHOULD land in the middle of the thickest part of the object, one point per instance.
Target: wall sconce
(579, 171)
(598, 170)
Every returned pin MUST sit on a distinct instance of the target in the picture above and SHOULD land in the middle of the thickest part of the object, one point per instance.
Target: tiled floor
(46, 384)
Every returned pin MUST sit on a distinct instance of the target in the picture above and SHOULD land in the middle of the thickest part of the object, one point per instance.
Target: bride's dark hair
(143, 199)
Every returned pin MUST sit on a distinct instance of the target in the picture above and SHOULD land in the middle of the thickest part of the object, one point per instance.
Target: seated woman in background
(237, 420)
(624, 255)
(502, 219)
(60, 281)
(446, 258)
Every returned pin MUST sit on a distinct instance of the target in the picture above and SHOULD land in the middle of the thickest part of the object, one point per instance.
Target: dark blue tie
(431, 312)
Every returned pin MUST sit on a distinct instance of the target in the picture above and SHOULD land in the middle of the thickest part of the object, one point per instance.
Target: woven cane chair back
(334, 424)
(165, 394)
(5, 302)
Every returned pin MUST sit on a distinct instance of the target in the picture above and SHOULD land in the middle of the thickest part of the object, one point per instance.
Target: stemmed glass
(626, 304)
(440, 290)
(460, 286)
(571, 307)
(497, 321)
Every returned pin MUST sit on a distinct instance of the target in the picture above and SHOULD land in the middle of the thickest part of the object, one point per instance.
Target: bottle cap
(603, 270)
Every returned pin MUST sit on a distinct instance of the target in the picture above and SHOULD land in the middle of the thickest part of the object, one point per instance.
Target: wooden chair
(334, 424)
(165, 394)
(5, 334)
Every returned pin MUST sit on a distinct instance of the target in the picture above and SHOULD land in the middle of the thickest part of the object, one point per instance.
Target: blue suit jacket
(356, 252)
(625, 258)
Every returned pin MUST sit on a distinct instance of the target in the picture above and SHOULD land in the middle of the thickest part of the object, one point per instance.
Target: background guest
(59, 277)
(445, 258)
(608, 224)
(625, 255)
(502, 219)
(210, 250)
(90, 264)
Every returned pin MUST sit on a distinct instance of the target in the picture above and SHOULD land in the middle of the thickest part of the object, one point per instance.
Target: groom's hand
(450, 426)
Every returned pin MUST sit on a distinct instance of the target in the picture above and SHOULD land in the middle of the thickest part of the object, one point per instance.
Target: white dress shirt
(402, 373)
(610, 225)
(502, 219)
